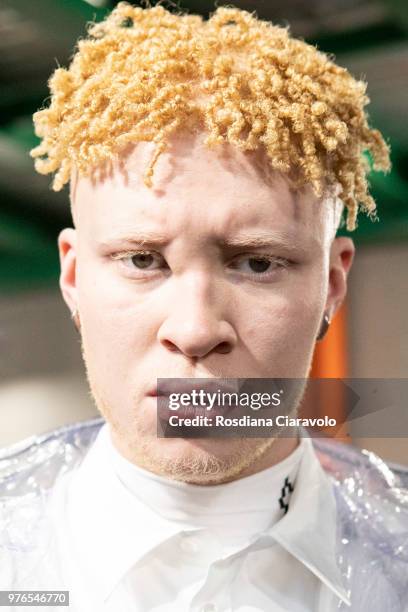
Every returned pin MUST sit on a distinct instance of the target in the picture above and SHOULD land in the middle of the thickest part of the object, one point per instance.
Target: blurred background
(42, 380)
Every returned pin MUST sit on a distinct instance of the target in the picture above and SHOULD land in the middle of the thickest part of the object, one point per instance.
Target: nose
(195, 325)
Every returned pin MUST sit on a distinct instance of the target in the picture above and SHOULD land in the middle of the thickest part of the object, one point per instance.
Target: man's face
(213, 272)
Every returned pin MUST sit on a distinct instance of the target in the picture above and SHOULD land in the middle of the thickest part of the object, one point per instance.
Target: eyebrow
(271, 239)
(255, 239)
(137, 238)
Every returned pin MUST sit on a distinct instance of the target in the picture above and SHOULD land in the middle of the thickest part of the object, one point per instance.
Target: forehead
(207, 190)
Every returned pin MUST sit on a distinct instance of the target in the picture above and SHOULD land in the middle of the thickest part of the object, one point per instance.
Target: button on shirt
(128, 539)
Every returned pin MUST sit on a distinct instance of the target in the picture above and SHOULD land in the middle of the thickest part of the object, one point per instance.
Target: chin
(198, 460)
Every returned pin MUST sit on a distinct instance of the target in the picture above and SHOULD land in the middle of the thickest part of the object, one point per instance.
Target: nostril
(170, 345)
(223, 347)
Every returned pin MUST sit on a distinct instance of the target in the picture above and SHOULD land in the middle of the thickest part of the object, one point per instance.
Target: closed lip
(173, 385)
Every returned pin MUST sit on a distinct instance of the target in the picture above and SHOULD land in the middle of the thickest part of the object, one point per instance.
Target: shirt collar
(95, 498)
(309, 530)
(246, 505)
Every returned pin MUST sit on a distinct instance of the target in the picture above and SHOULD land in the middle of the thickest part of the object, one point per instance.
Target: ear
(67, 256)
(341, 258)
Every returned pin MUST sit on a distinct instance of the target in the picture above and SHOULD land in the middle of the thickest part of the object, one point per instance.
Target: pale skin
(236, 276)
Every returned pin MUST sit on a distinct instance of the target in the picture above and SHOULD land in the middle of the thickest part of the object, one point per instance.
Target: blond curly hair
(144, 73)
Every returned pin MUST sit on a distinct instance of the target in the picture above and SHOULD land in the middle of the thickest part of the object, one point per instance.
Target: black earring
(323, 327)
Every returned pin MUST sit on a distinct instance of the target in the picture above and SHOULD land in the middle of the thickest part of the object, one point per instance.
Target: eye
(260, 265)
(140, 260)
(143, 260)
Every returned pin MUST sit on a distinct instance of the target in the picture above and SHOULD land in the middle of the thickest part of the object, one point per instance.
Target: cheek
(118, 325)
(281, 331)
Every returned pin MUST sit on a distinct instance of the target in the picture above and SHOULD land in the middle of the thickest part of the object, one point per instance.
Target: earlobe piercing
(325, 324)
(75, 318)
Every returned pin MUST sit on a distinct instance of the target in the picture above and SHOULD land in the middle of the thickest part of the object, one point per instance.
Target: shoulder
(29, 473)
(34, 464)
(342, 460)
(372, 522)
(365, 481)
(366, 486)
(371, 495)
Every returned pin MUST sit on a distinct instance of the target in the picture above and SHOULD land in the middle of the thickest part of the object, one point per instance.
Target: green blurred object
(28, 258)
(369, 37)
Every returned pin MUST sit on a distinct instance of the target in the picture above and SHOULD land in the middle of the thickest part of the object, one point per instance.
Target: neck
(277, 452)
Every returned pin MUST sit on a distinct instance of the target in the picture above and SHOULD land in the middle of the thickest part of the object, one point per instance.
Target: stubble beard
(212, 462)
(195, 464)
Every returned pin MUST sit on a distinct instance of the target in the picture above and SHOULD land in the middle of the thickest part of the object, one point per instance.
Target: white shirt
(129, 540)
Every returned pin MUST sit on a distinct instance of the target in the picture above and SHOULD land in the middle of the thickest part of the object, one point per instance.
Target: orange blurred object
(330, 356)
(330, 360)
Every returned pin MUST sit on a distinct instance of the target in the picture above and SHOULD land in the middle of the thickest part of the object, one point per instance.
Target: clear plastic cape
(371, 498)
